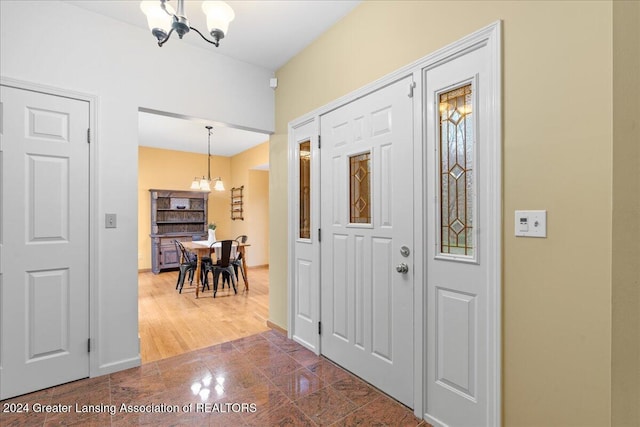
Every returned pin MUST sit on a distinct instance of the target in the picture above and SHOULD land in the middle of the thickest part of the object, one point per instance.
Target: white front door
(366, 218)
(44, 322)
(462, 253)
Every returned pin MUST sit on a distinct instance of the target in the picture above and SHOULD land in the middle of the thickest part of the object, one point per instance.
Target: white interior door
(305, 290)
(461, 180)
(366, 217)
(44, 286)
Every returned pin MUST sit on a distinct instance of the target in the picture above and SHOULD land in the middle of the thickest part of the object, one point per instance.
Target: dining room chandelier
(163, 20)
(204, 184)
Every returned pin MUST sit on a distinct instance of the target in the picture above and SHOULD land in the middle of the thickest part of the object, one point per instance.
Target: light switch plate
(531, 223)
(110, 220)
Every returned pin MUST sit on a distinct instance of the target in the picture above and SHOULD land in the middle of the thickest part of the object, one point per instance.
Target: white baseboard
(117, 366)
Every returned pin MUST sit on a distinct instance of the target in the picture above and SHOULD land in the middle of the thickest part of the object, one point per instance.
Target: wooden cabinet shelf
(180, 210)
(178, 222)
(175, 215)
(160, 223)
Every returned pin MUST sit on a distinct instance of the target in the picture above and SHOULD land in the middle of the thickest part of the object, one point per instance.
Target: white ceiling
(183, 134)
(267, 33)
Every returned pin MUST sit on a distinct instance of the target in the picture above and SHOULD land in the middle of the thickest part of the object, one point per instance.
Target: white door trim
(92, 100)
(490, 37)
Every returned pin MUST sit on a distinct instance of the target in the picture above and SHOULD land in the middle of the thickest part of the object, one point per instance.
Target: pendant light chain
(205, 185)
(209, 155)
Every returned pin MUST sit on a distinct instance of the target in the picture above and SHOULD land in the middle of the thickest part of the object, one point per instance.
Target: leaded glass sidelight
(304, 156)
(360, 188)
(456, 172)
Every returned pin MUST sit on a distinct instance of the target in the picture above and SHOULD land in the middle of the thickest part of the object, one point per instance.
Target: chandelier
(204, 184)
(163, 20)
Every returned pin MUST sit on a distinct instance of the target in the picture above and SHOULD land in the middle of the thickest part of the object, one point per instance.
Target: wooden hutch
(175, 215)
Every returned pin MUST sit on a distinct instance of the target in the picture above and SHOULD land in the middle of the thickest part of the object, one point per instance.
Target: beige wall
(258, 218)
(256, 199)
(625, 388)
(174, 170)
(557, 127)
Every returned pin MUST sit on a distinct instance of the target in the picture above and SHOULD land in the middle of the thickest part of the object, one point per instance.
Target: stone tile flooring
(261, 380)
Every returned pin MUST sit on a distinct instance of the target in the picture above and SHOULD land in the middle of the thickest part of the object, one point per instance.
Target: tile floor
(261, 380)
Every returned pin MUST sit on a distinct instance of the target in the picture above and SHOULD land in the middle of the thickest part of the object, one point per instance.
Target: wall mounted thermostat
(531, 223)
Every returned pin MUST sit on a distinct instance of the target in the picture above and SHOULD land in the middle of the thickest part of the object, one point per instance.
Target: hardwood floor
(171, 323)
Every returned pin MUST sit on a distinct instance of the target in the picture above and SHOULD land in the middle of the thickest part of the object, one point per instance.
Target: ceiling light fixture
(204, 184)
(163, 20)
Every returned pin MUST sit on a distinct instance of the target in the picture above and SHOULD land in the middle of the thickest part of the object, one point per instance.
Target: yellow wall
(256, 199)
(625, 388)
(258, 217)
(557, 129)
(174, 170)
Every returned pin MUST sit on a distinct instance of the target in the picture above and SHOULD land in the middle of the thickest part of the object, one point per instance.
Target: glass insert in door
(305, 189)
(360, 188)
(456, 172)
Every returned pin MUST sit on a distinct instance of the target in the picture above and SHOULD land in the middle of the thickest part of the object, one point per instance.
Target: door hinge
(88, 345)
(319, 141)
(319, 328)
(89, 136)
(319, 234)
(412, 86)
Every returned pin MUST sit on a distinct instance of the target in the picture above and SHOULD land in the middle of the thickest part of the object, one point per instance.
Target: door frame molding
(490, 37)
(93, 101)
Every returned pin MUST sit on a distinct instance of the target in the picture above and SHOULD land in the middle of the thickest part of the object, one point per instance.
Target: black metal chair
(223, 265)
(188, 264)
(204, 263)
(237, 262)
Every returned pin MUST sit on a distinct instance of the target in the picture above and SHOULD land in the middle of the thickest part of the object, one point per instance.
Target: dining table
(202, 248)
